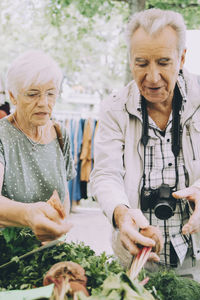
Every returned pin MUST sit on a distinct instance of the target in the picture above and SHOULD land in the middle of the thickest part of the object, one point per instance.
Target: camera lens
(163, 211)
(165, 204)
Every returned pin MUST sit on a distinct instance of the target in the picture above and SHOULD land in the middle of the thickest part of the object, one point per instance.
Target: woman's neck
(33, 132)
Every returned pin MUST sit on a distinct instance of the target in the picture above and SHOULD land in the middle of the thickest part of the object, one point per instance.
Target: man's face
(155, 63)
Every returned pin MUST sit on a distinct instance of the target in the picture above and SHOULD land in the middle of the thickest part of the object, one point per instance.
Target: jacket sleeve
(107, 184)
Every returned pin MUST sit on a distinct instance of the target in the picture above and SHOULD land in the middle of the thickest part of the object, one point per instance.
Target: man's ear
(131, 69)
(12, 98)
(183, 58)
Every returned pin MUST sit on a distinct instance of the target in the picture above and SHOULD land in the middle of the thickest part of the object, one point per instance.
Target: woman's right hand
(45, 221)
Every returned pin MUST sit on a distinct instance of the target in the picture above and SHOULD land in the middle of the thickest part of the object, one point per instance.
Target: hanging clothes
(81, 132)
(86, 152)
(76, 134)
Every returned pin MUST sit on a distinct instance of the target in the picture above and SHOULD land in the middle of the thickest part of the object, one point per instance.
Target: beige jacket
(118, 164)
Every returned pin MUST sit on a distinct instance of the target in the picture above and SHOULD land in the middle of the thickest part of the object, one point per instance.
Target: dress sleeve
(70, 168)
(2, 158)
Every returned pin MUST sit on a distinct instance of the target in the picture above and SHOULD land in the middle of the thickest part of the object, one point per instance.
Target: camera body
(160, 199)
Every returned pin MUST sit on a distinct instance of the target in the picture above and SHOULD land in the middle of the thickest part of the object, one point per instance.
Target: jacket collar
(133, 103)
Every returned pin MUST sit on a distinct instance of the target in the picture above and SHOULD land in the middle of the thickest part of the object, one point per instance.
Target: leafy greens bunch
(29, 272)
(117, 287)
(170, 286)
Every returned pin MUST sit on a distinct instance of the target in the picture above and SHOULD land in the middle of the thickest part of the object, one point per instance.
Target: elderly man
(147, 152)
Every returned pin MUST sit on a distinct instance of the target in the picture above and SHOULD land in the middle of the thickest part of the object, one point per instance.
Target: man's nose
(153, 74)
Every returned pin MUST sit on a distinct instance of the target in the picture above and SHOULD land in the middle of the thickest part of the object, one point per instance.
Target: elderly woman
(32, 162)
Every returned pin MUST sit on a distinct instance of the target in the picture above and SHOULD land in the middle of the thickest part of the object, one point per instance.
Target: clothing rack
(63, 115)
(81, 127)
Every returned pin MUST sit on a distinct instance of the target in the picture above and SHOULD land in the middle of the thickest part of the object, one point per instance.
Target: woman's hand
(130, 221)
(45, 221)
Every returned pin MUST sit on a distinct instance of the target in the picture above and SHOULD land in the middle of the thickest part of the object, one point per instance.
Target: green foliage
(86, 37)
(171, 286)
(189, 9)
(14, 242)
(119, 287)
(29, 272)
(88, 8)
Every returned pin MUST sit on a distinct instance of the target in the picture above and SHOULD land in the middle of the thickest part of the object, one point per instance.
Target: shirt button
(169, 164)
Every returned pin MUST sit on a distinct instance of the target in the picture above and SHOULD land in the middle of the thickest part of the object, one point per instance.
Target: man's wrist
(118, 214)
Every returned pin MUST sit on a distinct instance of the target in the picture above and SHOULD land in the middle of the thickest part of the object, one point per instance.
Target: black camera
(160, 199)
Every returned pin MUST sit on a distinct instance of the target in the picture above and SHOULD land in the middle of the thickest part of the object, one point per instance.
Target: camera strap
(176, 129)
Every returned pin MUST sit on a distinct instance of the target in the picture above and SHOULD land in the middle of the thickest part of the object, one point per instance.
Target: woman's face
(34, 104)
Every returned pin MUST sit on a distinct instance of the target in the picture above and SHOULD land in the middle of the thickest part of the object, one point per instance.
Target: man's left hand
(192, 194)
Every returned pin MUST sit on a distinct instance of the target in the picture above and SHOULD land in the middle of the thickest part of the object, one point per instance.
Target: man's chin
(155, 98)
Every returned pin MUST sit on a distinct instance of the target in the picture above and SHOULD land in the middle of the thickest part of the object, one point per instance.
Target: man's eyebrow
(140, 59)
(164, 59)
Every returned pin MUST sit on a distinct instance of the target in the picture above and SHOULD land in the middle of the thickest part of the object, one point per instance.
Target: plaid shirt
(160, 168)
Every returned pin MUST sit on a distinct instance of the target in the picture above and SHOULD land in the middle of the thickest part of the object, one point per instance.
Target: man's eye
(141, 65)
(163, 63)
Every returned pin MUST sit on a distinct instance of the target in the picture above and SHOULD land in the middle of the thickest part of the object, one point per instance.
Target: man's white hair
(153, 20)
(32, 67)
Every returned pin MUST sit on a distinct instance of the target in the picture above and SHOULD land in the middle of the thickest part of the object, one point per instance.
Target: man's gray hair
(32, 67)
(153, 20)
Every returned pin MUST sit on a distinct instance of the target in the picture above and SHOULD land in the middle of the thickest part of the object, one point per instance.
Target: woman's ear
(12, 98)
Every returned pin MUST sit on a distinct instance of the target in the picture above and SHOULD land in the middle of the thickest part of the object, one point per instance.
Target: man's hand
(45, 221)
(192, 194)
(129, 221)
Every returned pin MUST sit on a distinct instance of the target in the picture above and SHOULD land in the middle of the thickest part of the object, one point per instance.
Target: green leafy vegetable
(119, 287)
(170, 286)
(29, 272)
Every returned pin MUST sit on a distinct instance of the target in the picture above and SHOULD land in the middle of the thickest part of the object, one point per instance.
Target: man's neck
(160, 113)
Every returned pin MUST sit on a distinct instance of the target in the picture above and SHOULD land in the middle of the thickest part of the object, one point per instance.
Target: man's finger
(139, 218)
(140, 239)
(184, 193)
(154, 257)
(193, 224)
(129, 245)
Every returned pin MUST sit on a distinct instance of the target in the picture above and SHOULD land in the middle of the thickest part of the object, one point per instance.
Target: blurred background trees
(86, 37)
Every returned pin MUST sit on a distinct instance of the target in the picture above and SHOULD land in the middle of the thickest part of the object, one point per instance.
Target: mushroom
(68, 277)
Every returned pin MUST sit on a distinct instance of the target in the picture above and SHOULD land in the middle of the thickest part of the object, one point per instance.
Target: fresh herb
(29, 272)
(170, 286)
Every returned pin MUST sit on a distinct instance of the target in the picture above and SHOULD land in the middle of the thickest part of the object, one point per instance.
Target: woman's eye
(32, 95)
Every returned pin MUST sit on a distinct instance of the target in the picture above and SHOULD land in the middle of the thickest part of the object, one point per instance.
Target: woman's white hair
(153, 20)
(32, 67)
